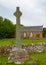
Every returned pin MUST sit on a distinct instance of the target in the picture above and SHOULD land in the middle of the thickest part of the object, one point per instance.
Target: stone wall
(34, 47)
(5, 50)
(35, 34)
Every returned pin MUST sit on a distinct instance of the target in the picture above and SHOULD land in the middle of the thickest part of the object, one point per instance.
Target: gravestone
(18, 55)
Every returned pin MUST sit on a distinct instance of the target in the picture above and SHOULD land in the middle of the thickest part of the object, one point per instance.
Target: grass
(27, 41)
(24, 41)
(3, 59)
(7, 41)
(38, 57)
(34, 57)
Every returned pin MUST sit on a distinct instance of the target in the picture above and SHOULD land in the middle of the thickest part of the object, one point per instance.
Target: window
(24, 34)
(31, 34)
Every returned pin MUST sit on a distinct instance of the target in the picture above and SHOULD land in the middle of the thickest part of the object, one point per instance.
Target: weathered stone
(18, 54)
(18, 36)
(39, 47)
(28, 47)
(32, 63)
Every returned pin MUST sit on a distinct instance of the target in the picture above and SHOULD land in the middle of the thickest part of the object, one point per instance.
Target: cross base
(18, 55)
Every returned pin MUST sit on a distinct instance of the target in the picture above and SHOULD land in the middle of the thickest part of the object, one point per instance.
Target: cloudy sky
(33, 11)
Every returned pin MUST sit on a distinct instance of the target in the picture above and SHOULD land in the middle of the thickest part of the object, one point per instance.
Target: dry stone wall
(33, 47)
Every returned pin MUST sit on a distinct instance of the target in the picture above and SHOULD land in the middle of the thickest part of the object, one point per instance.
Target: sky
(33, 11)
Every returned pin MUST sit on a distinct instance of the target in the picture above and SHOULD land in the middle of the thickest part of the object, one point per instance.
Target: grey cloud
(32, 13)
(42, 4)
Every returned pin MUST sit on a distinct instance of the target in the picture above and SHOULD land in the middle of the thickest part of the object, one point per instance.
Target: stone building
(31, 32)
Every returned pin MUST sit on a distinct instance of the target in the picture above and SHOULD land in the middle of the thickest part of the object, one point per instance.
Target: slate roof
(31, 28)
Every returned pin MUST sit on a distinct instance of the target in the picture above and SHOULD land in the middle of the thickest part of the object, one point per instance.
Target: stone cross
(18, 36)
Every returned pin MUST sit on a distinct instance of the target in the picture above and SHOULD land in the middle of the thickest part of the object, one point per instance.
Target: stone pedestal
(18, 56)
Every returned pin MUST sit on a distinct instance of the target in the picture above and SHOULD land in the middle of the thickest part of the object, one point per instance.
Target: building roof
(31, 28)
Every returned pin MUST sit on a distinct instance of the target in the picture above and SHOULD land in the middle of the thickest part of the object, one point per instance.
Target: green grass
(7, 41)
(3, 59)
(40, 58)
(24, 41)
(28, 41)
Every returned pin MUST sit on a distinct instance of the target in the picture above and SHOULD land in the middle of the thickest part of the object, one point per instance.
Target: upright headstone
(18, 36)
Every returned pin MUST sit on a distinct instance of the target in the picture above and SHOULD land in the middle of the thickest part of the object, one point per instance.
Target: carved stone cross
(18, 36)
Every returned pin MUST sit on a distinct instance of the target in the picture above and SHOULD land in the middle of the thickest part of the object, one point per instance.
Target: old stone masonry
(33, 47)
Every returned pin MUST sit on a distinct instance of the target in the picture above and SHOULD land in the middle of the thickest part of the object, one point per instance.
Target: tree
(9, 28)
(1, 26)
(44, 32)
(1, 18)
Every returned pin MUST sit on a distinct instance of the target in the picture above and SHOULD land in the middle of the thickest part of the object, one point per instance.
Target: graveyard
(17, 51)
(38, 57)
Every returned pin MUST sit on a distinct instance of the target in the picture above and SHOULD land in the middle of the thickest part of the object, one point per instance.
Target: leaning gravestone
(18, 55)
